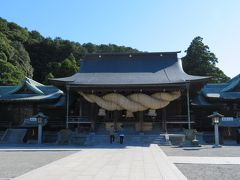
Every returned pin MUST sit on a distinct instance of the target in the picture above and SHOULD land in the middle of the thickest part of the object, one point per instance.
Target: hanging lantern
(152, 112)
(129, 114)
(101, 112)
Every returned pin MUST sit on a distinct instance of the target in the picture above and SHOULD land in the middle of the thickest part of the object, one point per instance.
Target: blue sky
(148, 25)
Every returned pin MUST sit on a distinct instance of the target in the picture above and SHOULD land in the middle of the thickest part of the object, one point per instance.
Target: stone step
(130, 139)
(13, 136)
(1, 134)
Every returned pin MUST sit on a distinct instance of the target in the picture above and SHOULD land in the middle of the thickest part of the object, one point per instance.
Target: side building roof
(215, 94)
(224, 91)
(29, 90)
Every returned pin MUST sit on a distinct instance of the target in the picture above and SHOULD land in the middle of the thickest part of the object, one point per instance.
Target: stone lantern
(41, 120)
(215, 121)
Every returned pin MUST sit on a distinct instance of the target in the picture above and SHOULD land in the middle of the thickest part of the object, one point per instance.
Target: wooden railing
(178, 119)
(78, 120)
(56, 122)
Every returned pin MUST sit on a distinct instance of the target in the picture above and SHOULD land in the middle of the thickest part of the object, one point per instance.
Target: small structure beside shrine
(18, 104)
(225, 99)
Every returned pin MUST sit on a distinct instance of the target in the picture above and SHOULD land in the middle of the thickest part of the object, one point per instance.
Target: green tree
(17, 33)
(47, 78)
(53, 68)
(90, 47)
(200, 61)
(9, 74)
(14, 52)
(68, 67)
(34, 37)
(5, 47)
(21, 59)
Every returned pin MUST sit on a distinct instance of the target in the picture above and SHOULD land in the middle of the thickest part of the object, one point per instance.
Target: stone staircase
(160, 139)
(1, 134)
(13, 136)
(136, 139)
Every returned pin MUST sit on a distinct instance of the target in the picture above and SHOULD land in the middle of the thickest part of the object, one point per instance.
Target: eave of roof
(31, 97)
(172, 75)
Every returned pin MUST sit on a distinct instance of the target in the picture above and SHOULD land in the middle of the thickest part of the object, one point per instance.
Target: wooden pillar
(140, 113)
(164, 119)
(188, 106)
(19, 117)
(80, 107)
(67, 104)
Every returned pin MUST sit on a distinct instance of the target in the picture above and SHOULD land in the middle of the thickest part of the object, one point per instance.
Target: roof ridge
(31, 81)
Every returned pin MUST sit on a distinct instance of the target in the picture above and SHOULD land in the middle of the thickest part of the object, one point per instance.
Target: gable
(127, 63)
(232, 85)
(26, 88)
(29, 90)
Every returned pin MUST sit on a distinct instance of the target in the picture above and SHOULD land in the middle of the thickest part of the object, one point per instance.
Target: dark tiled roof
(130, 70)
(127, 63)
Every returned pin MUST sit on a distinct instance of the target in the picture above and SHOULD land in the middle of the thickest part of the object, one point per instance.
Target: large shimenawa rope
(148, 101)
(133, 102)
(108, 105)
(124, 102)
(167, 96)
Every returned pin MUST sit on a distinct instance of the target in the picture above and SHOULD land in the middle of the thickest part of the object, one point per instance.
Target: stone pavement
(204, 160)
(114, 162)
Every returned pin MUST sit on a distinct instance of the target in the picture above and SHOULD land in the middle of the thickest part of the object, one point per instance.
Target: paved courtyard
(210, 171)
(110, 163)
(206, 162)
(119, 162)
(15, 163)
(203, 151)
